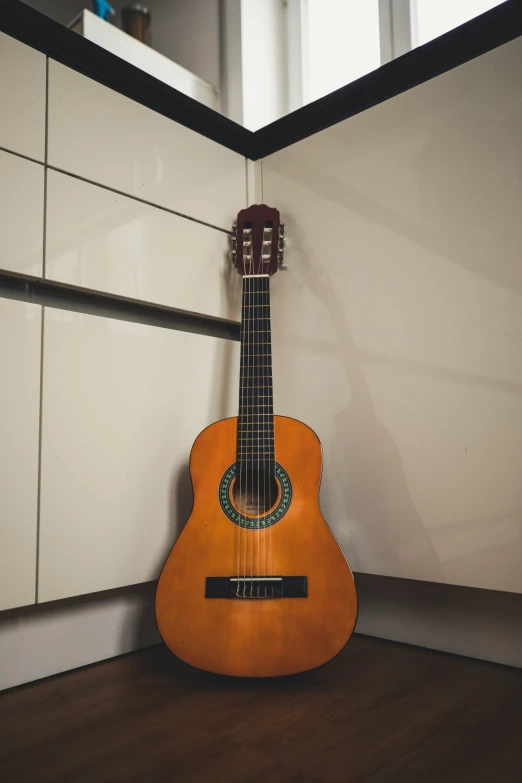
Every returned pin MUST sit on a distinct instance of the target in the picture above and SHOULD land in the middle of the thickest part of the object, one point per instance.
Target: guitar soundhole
(255, 493)
(255, 502)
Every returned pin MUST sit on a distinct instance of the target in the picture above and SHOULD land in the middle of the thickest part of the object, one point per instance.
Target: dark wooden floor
(379, 712)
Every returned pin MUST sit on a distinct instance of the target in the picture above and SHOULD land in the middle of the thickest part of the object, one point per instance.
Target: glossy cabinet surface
(104, 241)
(398, 327)
(22, 98)
(20, 338)
(21, 214)
(110, 139)
(122, 405)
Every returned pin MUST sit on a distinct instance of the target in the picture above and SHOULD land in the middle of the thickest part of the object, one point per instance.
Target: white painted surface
(110, 37)
(43, 640)
(21, 214)
(263, 56)
(20, 326)
(122, 405)
(22, 98)
(105, 137)
(398, 326)
(480, 624)
(107, 242)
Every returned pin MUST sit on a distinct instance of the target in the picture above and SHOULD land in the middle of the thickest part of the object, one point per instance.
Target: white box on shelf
(110, 37)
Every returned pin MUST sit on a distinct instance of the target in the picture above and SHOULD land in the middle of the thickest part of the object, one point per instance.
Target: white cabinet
(22, 98)
(109, 139)
(21, 214)
(104, 241)
(122, 405)
(20, 338)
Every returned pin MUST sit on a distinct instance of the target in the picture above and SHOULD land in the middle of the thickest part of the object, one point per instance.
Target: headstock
(258, 241)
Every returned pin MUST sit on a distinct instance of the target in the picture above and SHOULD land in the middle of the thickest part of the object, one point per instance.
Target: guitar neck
(255, 431)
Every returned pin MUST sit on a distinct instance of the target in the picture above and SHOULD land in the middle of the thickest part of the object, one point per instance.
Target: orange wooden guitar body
(256, 638)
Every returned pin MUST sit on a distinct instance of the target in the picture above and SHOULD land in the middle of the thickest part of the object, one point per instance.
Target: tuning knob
(233, 244)
(281, 244)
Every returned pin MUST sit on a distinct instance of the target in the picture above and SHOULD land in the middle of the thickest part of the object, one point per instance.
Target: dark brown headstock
(258, 241)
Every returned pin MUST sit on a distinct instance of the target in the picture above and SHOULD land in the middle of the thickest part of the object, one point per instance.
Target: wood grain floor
(379, 712)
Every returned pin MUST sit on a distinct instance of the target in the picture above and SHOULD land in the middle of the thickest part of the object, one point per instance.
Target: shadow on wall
(369, 470)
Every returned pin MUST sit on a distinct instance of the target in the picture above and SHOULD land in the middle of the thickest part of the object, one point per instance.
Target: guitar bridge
(258, 587)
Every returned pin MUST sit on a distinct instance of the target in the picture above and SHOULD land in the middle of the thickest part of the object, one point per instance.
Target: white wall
(397, 328)
(46, 639)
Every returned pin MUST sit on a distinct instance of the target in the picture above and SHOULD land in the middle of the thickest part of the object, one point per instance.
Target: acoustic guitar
(256, 585)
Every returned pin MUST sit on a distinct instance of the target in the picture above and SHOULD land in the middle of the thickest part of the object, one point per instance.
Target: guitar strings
(264, 323)
(257, 441)
(272, 429)
(255, 436)
(239, 427)
(250, 362)
(251, 430)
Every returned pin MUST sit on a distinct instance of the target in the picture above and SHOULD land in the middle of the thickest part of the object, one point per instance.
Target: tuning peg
(281, 263)
(281, 229)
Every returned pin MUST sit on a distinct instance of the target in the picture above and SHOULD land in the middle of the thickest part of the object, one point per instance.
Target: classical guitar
(256, 585)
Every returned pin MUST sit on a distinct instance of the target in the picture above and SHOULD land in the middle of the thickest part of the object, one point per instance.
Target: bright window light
(343, 43)
(432, 18)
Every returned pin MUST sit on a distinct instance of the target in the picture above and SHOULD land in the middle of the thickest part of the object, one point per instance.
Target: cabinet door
(140, 152)
(122, 405)
(22, 119)
(21, 214)
(20, 329)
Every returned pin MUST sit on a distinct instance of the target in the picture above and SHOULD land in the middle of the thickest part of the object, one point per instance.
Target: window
(343, 43)
(431, 18)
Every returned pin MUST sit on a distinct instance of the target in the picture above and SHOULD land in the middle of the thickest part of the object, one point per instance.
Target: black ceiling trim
(494, 28)
(478, 36)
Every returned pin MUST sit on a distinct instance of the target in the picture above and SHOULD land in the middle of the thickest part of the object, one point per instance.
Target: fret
(247, 420)
(248, 452)
(258, 405)
(248, 442)
(256, 430)
(257, 454)
(250, 427)
(248, 402)
(261, 413)
(250, 424)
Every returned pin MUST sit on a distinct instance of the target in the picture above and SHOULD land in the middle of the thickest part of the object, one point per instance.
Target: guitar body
(245, 635)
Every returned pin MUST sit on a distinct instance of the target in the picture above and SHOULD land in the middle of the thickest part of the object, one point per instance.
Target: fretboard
(255, 431)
